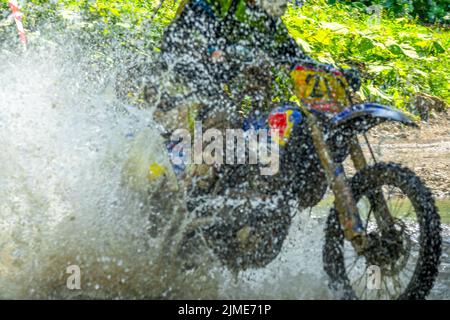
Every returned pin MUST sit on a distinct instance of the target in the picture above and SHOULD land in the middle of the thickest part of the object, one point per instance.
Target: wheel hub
(384, 251)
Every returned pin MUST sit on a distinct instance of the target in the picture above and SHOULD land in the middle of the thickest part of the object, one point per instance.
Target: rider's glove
(353, 78)
(217, 56)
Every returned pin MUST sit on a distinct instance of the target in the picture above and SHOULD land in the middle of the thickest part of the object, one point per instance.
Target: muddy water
(65, 140)
(302, 253)
(63, 202)
(442, 287)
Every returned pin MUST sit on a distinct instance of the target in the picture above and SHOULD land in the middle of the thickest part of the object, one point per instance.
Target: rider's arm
(191, 31)
(287, 50)
(185, 47)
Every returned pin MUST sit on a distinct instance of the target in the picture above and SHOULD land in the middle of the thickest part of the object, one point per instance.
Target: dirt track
(425, 150)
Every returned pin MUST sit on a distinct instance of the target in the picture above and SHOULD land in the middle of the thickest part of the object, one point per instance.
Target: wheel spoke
(387, 288)
(408, 213)
(357, 281)
(409, 269)
(399, 282)
(353, 265)
(365, 293)
(378, 295)
(408, 273)
(368, 219)
(389, 193)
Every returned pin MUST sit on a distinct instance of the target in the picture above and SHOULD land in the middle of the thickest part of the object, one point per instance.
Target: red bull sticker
(283, 121)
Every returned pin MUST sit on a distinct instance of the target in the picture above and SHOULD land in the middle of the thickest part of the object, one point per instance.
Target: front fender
(359, 119)
(362, 117)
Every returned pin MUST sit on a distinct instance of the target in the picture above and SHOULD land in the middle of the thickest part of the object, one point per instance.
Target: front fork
(381, 211)
(345, 204)
(346, 207)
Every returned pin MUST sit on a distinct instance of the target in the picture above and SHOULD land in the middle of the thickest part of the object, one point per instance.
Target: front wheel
(401, 260)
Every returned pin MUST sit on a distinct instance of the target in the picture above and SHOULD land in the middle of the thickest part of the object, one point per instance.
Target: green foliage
(138, 24)
(398, 57)
(425, 10)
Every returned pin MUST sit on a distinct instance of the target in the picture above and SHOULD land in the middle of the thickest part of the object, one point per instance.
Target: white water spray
(65, 139)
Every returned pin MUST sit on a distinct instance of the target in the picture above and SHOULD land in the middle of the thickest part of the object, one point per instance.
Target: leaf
(335, 27)
(365, 44)
(361, 95)
(323, 37)
(361, 6)
(409, 51)
(300, 16)
(373, 91)
(305, 45)
(378, 69)
(394, 47)
(123, 25)
(438, 48)
(114, 11)
(379, 45)
(424, 36)
(423, 43)
(326, 57)
(420, 72)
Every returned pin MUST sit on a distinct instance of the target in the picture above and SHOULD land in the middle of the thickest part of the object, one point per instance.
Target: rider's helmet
(275, 8)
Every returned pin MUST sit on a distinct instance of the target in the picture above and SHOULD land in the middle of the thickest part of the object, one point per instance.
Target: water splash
(64, 142)
(65, 139)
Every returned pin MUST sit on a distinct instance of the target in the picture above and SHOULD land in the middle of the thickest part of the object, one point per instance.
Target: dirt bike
(384, 225)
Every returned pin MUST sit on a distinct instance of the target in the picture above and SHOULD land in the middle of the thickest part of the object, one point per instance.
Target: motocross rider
(213, 44)
(225, 55)
(218, 61)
